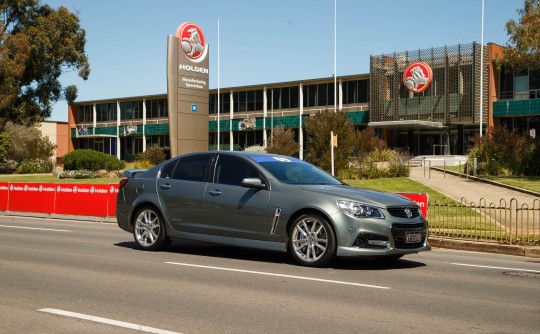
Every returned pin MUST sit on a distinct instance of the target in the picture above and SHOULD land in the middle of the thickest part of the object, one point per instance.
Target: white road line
(35, 228)
(279, 275)
(490, 267)
(106, 321)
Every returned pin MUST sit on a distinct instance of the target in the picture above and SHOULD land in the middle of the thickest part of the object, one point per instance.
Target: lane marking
(35, 228)
(74, 220)
(106, 321)
(490, 267)
(280, 275)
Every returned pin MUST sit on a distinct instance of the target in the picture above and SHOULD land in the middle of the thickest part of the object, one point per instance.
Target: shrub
(255, 148)
(380, 163)
(8, 167)
(144, 164)
(31, 166)
(28, 143)
(505, 152)
(283, 142)
(77, 174)
(154, 155)
(91, 160)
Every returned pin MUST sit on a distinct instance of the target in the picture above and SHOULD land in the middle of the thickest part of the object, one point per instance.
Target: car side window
(192, 168)
(167, 171)
(231, 170)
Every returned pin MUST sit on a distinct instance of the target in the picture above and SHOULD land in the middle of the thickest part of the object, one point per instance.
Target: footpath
(472, 190)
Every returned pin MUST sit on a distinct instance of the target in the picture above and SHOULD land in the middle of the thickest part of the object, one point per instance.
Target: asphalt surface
(51, 266)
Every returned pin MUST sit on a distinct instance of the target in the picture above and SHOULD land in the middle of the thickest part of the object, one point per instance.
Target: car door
(181, 191)
(233, 210)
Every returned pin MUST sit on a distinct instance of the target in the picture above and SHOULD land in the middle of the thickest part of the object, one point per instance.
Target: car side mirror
(252, 182)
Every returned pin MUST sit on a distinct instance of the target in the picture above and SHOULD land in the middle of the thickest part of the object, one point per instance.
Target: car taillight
(123, 183)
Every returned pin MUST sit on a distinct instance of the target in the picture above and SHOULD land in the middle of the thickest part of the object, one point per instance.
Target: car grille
(398, 234)
(401, 211)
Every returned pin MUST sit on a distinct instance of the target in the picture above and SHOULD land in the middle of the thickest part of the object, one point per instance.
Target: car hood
(366, 196)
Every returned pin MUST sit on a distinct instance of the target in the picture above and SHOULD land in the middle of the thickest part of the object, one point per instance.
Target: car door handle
(215, 192)
(165, 186)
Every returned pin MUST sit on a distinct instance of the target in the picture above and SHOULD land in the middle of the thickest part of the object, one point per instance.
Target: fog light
(367, 240)
(380, 243)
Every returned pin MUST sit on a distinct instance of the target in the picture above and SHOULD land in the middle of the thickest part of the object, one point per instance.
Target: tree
(318, 130)
(366, 142)
(523, 47)
(28, 143)
(37, 44)
(283, 142)
(5, 145)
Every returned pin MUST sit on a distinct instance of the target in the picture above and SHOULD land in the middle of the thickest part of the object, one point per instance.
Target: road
(67, 276)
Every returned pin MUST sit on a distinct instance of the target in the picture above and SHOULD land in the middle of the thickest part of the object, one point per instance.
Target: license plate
(413, 237)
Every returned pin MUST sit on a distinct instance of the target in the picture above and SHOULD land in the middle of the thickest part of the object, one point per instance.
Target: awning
(408, 125)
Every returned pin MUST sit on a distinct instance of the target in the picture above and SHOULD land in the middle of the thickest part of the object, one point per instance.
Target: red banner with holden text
(59, 198)
(82, 199)
(4, 196)
(32, 197)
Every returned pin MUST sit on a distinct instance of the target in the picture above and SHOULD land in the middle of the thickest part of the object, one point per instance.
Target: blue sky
(265, 41)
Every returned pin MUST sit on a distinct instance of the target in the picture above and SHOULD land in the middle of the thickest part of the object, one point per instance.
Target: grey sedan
(266, 201)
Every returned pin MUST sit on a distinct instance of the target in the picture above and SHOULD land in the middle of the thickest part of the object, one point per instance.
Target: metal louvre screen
(452, 98)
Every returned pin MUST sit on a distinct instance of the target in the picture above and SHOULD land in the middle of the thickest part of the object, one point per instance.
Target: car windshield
(294, 171)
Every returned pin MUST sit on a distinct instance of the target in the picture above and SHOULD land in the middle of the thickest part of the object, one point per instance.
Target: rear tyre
(312, 242)
(149, 230)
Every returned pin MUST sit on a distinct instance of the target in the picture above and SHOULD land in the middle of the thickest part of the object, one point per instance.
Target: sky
(266, 41)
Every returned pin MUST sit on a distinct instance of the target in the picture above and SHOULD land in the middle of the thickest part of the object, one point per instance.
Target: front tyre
(149, 230)
(312, 241)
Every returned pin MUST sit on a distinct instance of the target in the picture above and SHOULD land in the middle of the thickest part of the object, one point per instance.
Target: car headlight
(359, 210)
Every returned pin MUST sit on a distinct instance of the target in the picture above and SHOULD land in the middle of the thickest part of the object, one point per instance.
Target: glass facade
(131, 110)
(106, 112)
(85, 114)
(156, 108)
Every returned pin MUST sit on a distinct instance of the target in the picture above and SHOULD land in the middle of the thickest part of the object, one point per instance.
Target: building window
(236, 101)
(294, 97)
(106, 112)
(225, 103)
(355, 91)
(131, 110)
(285, 102)
(259, 99)
(85, 114)
(156, 108)
(157, 141)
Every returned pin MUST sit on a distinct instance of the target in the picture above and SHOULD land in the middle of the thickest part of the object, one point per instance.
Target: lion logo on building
(192, 41)
(192, 44)
(417, 77)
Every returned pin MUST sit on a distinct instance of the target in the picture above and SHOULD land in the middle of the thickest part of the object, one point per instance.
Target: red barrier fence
(59, 198)
(86, 199)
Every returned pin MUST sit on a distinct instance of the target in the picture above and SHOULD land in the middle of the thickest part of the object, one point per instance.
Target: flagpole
(335, 58)
(218, 94)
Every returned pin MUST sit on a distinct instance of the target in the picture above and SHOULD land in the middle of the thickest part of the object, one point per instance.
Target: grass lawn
(526, 182)
(397, 185)
(529, 182)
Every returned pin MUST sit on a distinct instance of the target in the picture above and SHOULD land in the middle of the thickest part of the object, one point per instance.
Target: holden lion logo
(417, 77)
(192, 41)
(408, 213)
